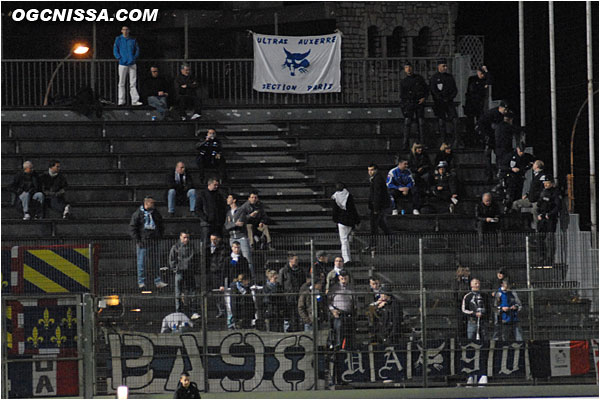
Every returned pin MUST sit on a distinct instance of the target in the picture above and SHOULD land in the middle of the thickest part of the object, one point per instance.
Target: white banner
(297, 64)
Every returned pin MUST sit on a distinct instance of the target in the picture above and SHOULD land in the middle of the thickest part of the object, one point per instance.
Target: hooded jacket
(398, 178)
(344, 209)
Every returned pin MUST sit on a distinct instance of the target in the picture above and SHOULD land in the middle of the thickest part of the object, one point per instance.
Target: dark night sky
(498, 21)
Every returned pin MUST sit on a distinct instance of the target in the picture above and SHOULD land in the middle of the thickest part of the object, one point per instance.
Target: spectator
(274, 302)
(413, 92)
(420, 166)
(476, 307)
(460, 286)
(332, 276)
(216, 260)
(487, 213)
(504, 133)
(375, 287)
(212, 209)
(501, 275)
(127, 51)
(291, 278)
(444, 189)
(210, 156)
(485, 128)
(443, 90)
(476, 96)
(146, 229)
(531, 197)
(257, 218)
(508, 305)
(242, 304)
(235, 265)
(25, 187)
(321, 266)
(305, 304)
(401, 186)
(186, 87)
(389, 317)
(379, 203)
(235, 222)
(182, 262)
(155, 92)
(345, 216)
(341, 305)
(186, 389)
(176, 322)
(54, 185)
(512, 178)
(180, 186)
(445, 154)
(549, 205)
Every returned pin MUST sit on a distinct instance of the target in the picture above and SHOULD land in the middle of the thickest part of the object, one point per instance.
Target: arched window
(372, 41)
(421, 43)
(394, 42)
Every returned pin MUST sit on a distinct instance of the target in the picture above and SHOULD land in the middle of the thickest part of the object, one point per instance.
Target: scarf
(341, 198)
(52, 174)
(235, 257)
(337, 270)
(148, 220)
(179, 178)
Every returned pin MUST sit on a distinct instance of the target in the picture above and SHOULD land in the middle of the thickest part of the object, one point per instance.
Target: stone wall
(355, 18)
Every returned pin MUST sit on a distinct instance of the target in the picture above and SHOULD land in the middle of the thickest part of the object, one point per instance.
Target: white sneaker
(142, 285)
(26, 217)
(195, 316)
(183, 118)
(196, 116)
(137, 103)
(470, 380)
(395, 212)
(67, 211)
(161, 285)
(416, 212)
(483, 380)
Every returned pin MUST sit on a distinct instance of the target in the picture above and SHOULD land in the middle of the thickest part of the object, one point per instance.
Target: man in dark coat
(210, 156)
(186, 87)
(477, 92)
(182, 260)
(379, 202)
(389, 313)
(485, 128)
(211, 209)
(548, 208)
(413, 92)
(346, 216)
(146, 229)
(54, 185)
(443, 189)
(26, 187)
(519, 164)
(487, 214)
(155, 92)
(186, 389)
(443, 90)
(180, 186)
(530, 198)
(292, 277)
(215, 258)
(234, 266)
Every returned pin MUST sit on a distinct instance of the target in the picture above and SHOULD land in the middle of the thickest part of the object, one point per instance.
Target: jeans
(25, 198)
(130, 70)
(172, 199)
(472, 330)
(344, 232)
(185, 283)
(149, 253)
(246, 252)
(308, 327)
(160, 103)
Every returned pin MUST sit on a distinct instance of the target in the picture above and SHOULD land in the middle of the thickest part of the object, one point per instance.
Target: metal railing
(224, 82)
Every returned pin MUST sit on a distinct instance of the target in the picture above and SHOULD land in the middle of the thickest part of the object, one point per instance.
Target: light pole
(78, 49)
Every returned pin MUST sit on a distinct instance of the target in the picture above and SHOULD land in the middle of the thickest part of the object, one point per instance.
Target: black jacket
(182, 257)
(191, 392)
(379, 198)
(448, 90)
(549, 203)
(151, 86)
(236, 232)
(260, 217)
(274, 305)
(211, 208)
(412, 89)
(136, 226)
(443, 156)
(291, 280)
(390, 321)
(347, 217)
(503, 134)
(231, 270)
(53, 186)
(185, 182)
(23, 182)
(482, 211)
(216, 259)
(419, 161)
(488, 121)
(305, 305)
(189, 81)
(523, 162)
(448, 183)
(474, 302)
(476, 94)
(208, 150)
(536, 186)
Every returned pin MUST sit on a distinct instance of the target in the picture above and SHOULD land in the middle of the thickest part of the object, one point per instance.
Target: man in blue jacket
(401, 186)
(126, 50)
